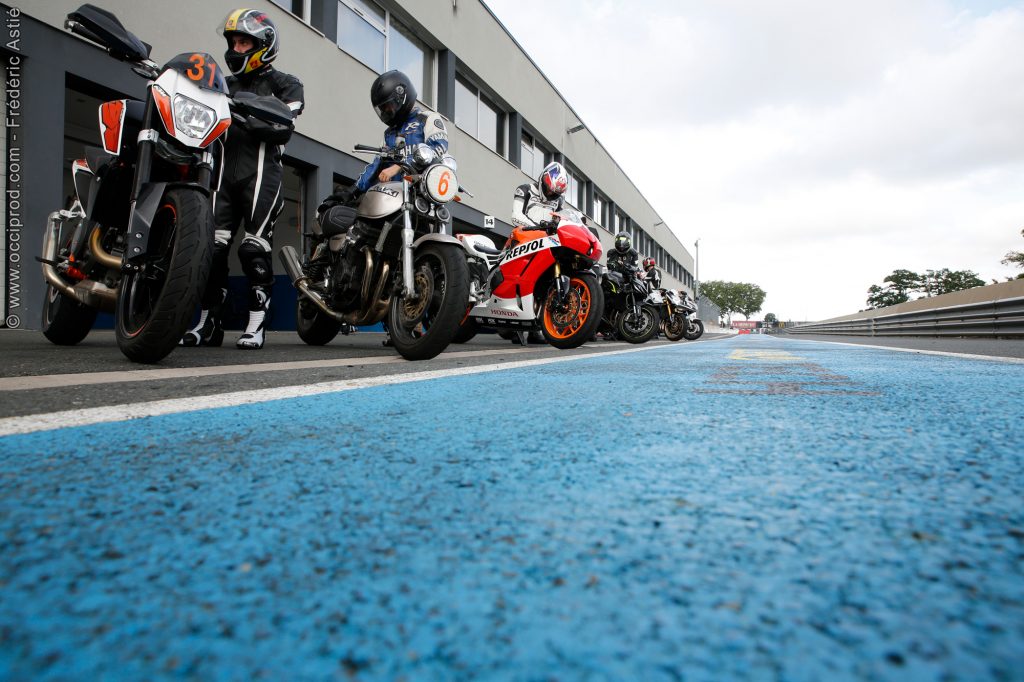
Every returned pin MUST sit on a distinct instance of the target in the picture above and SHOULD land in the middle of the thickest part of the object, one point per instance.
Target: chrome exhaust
(91, 293)
(371, 314)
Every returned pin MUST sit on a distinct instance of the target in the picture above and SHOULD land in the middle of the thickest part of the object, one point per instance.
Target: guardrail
(1004, 317)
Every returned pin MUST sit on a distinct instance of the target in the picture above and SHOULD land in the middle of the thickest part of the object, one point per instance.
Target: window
(476, 115)
(369, 33)
(533, 156)
(572, 192)
(598, 212)
(296, 7)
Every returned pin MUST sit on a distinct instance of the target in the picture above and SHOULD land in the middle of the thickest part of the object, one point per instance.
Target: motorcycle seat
(337, 219)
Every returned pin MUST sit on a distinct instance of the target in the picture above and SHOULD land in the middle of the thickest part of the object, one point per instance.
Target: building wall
(338, 113)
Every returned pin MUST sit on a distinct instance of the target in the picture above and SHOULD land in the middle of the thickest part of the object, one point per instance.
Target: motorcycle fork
(561, 284)
(407, 240)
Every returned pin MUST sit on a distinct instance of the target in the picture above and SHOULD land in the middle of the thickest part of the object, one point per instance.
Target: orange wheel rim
(562, 325)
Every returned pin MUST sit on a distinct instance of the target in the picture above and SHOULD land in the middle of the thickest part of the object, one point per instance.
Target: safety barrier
(939, 316)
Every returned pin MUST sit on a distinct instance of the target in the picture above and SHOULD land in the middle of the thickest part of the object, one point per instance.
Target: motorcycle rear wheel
(694, 330)
(155, 306)
(674, 327)
(422, 325)
(638, 327)
(66, 321)
(317, 329)
(576, 322)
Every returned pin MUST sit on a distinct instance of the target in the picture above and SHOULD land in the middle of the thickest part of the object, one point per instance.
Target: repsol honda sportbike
(388, 258)
(627, 314)
(137, 240)
(542, 279)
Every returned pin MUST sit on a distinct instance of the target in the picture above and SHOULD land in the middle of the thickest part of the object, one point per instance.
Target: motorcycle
(542, 280)
(694, 325)
(390, 257)
(675, 310)
(138, 238)
(627, 314)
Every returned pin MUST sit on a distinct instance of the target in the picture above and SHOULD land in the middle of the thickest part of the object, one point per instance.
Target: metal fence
(987, 318)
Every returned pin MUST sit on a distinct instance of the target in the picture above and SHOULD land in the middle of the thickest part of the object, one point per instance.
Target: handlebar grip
(366, 148)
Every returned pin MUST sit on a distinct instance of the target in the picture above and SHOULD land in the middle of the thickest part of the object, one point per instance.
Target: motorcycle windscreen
(200, 68)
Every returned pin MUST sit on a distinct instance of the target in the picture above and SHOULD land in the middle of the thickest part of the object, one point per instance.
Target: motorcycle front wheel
(694, 330)
(422, 325)
(574, 322)
(314, 327)
(155, 305)
(638, 327)
(674, 327)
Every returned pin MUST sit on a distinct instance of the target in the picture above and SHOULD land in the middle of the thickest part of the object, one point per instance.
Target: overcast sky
(813, 146)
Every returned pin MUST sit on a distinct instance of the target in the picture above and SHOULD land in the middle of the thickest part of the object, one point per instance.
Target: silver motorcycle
(387, 259)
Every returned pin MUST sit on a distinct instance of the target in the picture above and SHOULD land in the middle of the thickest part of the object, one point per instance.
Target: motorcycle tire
(315, 327)
(674, 327)
(467, 330)
(637, 328)
(66, 321)
(694, 330)
(577, 324)
(421, 326)
(155, 306)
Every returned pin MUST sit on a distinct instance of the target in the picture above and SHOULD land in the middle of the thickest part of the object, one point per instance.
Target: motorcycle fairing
(505, 312)
(172, 85)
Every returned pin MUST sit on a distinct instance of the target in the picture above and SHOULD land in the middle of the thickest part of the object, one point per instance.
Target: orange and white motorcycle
(138, 239)
(542, 279)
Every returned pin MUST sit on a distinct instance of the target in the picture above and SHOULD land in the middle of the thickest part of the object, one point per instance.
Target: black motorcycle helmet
(623, 242)
(393, 96)
(255, 24)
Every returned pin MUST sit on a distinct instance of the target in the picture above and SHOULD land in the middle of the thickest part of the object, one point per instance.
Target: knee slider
(255, 258)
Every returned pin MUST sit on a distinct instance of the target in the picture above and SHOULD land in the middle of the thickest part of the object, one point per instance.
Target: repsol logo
(526, 249)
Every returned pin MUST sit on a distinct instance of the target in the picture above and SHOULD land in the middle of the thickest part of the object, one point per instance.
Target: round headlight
(424, 155)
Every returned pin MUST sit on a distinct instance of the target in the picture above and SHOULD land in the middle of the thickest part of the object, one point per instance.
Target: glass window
(526, 155)
(411, 56)
(360, 39)
(572, 192)
(465, 107)
(598, 212)
(490, 126)
(479, 117)
(370, 34)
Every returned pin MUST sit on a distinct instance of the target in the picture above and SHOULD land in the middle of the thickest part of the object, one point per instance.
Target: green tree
(946, 281)
(1015, 258)
(898, 287)
(749, 299)
(770, 318)
(734, 297)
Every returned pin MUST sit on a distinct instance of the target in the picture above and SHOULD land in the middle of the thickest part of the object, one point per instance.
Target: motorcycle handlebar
(368, 148)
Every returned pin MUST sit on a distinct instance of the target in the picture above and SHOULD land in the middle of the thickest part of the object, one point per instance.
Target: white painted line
(27, 383)
(965, 356)
(115, 413)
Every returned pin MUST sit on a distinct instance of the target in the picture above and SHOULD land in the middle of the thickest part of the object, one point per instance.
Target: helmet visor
(387, 109)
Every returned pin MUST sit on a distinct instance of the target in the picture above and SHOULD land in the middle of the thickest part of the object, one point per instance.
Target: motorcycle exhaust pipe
(290, 260)
(93, 294)
(101, 254)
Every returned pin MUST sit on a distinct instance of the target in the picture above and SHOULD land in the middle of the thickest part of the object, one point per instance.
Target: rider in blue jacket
(394, 99)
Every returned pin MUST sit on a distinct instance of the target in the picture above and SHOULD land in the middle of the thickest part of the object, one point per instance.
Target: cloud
(814, 147)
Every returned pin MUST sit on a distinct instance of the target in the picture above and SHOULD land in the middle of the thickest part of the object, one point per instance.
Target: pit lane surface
(743, 508)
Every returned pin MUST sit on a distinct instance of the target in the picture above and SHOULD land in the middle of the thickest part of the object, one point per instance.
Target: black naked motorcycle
(389, 257)
(627, 315)
(138, 239)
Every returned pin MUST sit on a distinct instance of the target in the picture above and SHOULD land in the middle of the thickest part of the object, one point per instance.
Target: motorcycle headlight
(424, 155)
(192, 118)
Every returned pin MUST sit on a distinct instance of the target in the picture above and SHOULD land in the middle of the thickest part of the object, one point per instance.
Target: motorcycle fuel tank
(381, 200)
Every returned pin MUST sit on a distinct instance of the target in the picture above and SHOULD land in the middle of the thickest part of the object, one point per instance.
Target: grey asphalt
(1007, 348)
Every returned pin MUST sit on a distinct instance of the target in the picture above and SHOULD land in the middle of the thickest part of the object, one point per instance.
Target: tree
(749, 299)
(734, 297)
(770, 318)
(946, 281)
(1015, 258)
(898, 287)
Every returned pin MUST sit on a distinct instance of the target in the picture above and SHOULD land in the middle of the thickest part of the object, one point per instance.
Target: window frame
(484, 99)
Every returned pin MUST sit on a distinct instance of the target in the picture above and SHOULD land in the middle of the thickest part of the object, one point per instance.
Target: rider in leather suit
(251, 180)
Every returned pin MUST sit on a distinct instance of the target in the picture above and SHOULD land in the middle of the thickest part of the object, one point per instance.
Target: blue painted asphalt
(752, 508)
